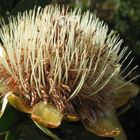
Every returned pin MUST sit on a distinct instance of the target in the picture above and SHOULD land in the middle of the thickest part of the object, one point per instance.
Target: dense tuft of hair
(67, 59)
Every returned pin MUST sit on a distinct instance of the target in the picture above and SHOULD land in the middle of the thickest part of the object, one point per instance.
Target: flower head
(66, 64)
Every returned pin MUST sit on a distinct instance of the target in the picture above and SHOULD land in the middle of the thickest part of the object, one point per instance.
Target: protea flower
(58, 65)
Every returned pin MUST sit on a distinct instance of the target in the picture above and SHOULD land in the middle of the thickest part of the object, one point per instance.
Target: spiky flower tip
(64, 65)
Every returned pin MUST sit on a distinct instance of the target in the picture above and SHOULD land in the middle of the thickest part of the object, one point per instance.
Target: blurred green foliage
(128, 23)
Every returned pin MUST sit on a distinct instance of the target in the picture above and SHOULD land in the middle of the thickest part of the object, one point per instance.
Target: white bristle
(32, 39)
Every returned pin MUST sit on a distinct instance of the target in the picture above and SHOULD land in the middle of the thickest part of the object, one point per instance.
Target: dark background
(123, 16)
